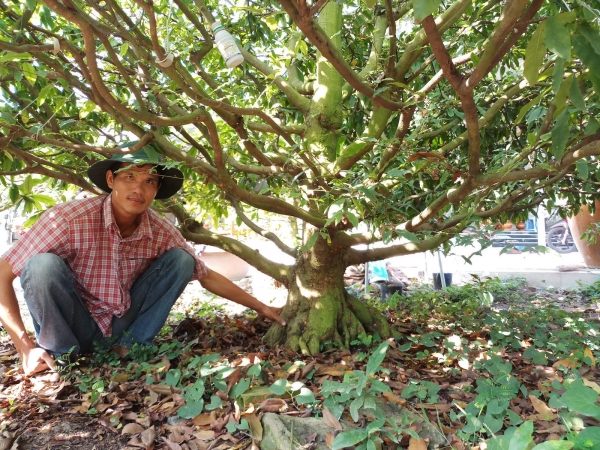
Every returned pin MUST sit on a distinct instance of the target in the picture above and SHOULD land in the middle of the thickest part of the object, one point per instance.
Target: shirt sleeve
(48, 235)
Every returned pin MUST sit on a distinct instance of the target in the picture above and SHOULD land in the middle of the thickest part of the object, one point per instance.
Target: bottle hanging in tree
(226, 45)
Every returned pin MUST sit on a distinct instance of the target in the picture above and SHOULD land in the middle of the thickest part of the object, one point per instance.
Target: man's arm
(34, 359)
(223, 287)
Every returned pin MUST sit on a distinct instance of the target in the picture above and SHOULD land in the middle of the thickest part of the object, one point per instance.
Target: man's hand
(37, 360)
(223, 287)
(272, 313)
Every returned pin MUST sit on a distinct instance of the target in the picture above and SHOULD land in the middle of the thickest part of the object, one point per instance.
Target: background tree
(417, 118)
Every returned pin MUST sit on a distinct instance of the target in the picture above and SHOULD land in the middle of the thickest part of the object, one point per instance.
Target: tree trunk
(319, 312)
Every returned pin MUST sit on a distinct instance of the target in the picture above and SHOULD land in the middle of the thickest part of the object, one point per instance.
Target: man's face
(133, 189)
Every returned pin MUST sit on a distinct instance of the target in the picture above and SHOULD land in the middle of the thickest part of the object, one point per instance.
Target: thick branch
(275, 270)
(511, 13)
(260, 231)
(315, 34)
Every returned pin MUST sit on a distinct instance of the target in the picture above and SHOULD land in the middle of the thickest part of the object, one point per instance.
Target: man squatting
(106, 269)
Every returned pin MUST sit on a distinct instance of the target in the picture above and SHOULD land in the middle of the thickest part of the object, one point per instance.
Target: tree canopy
(417, 118)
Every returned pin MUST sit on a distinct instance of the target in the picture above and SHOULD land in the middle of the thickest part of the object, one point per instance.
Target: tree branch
(315, 34)
(260, 231)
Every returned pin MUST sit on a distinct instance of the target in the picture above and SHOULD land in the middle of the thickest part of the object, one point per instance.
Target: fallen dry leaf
(204, 419)
(205, 435)
(172, 445)
(334, 371)
(273, 405)
(162, 389)
(391, 397)
(256, 428)
(6, 442)
(592, 385)
(330, 420)
(329, 437)
(132, 428)
(307, 368)
(147, 437)
(233, 378)
(555, 429)
(588, 354)
(440, 407)
(417, 444)
(566, 362)
(541, 407)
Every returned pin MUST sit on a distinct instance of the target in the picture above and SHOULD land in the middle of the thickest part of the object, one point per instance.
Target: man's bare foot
(121, 351)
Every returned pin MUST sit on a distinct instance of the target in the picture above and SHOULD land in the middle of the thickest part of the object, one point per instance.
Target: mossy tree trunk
(319, 312)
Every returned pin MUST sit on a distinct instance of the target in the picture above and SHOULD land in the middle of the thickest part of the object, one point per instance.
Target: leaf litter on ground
(475, 372)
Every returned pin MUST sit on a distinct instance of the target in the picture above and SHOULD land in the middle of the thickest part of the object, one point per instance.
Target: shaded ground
(105, 403)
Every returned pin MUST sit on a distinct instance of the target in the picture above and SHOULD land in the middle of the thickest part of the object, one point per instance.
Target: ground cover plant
(515, 374)
(359, 122)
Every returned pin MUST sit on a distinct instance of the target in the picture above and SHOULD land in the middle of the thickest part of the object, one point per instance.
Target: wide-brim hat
(171, 177)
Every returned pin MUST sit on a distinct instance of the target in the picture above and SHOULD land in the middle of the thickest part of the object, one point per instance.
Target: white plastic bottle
(227, 46)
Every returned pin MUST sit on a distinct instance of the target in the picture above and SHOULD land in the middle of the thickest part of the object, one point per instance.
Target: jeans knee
(183, 262)
(43, 266)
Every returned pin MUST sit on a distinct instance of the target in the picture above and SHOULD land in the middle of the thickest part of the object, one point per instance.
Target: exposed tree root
(332, 321)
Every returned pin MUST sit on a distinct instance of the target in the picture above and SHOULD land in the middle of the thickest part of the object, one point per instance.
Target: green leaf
(173, 377)
(239, 388)
(13, 193)
(554, 445)
(29, 72)
(407, 235)
(278, 388)
(87, 108)
(191, 409)
(560, 135)
(586, 53)
(581, 399)
(352, 218)
(47, 91)
(534, 54)
(254, 371)
(588, 438)
(31, 4)
(558, 73)
(493, 424)
(215, 403)
(582, 168)
(377, 358)
(27, 185)
(355, 406)
(592, 35)
(560, 100)
(32, 219)
(424, 8)
(10, 56)
(305, 396)
(522, 437)
(576, 96)
(348, 439)
(558, 38)
(45, 199)
(368, 192)
(525, 109)
(310, 243)
(124, 49)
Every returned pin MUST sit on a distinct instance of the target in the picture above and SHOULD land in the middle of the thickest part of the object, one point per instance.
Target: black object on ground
(437, 280)
(387, 289)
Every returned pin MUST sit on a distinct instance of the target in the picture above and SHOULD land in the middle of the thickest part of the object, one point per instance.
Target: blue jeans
(63, 324)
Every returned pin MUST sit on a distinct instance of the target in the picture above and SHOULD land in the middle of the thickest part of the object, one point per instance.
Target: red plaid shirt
(104, 265)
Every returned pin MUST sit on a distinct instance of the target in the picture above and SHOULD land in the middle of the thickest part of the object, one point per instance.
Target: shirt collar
(144, 228)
